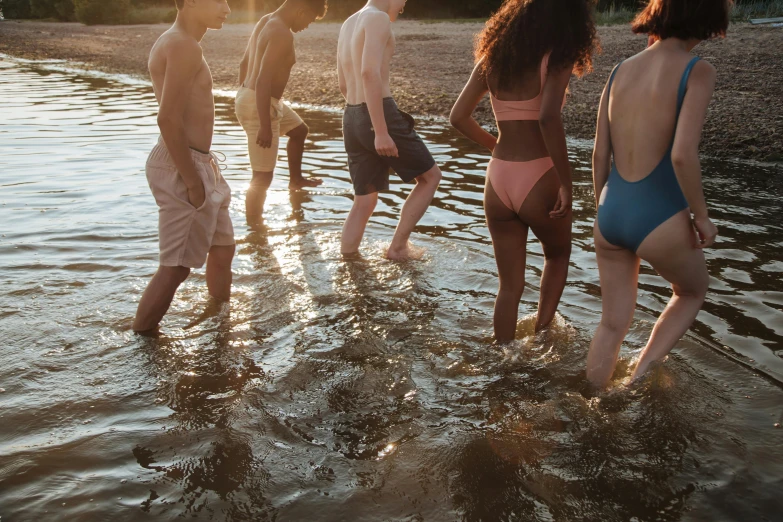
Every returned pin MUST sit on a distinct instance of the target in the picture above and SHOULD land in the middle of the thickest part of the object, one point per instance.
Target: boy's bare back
(177, 66)
(270, 31)
(366, 43)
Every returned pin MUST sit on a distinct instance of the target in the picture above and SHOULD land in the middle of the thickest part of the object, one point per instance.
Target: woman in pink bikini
(524, 58)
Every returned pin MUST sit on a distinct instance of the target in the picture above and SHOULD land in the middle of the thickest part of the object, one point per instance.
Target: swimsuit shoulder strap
(611, 78)
(684, 84)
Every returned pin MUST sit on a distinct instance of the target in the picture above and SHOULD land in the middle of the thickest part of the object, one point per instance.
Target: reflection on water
(362, 390)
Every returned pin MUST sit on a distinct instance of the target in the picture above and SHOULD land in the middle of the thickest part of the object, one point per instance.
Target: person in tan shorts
(192, 195)
(285, 122)
(263, 76)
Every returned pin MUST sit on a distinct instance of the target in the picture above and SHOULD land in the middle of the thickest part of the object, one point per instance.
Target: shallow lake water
(352, 390)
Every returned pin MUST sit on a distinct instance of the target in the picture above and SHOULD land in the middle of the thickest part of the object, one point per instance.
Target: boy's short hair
(319, 7)
(684, 19)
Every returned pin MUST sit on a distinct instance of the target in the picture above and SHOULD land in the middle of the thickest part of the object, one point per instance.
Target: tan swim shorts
(284, 120)
(187, 233)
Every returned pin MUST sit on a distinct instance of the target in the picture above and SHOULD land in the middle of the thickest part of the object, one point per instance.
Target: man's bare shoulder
(373, 19)
(179, 44)
(347, 28)
(262, 23)
(276, 29)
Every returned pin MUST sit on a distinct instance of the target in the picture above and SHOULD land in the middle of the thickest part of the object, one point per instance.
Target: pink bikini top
(525, 109)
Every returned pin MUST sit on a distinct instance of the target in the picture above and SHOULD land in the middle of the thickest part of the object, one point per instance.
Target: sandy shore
(433, 63)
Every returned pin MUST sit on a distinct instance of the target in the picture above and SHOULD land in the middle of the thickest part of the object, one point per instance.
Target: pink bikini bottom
(513, 180)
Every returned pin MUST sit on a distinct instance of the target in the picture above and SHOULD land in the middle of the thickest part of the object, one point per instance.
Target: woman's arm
(551, 121)
(685, 151)
(462, 112)
(602, 150)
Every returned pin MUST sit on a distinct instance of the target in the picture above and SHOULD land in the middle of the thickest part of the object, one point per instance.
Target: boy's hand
(196, 195)
(264, 138)
(385, 146)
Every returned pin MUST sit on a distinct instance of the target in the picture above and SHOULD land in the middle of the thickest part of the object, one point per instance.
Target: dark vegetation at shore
(92, 12)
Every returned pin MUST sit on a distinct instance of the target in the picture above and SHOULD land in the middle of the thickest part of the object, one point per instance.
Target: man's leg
(412, 211)
(219, 275)
(295, 149)
(355, 225)
(157, 298)
(262, 160)
(256, 197)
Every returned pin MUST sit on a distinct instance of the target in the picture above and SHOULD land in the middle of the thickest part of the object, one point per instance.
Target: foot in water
(297, 184)
(406, 253)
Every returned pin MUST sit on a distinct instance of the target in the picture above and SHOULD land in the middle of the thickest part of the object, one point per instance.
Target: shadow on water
(334, 389)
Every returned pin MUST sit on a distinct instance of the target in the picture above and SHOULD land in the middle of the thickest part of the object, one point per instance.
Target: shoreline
(741, 123)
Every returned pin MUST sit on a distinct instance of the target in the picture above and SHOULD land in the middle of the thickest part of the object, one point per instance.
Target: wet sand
(433, 63)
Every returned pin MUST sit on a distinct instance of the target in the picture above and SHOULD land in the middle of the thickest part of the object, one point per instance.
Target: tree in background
(15, 9)
(57, 9)
(93, 12)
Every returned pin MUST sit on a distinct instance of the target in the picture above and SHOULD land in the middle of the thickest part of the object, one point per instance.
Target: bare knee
(261, 180)
(696, 289)
(558, 252)
(366, 204)
(222, 256)
(616, 326)
(431, 177)
(300, 133)
(174, 274)
(512, 289)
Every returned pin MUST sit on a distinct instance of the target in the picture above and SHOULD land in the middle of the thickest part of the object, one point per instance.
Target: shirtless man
(263, 76)
(378, 136)
(194, 224)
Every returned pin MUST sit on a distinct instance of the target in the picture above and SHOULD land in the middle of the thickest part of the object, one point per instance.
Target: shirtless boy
(194, 224)
(263, 76)
(378, 136)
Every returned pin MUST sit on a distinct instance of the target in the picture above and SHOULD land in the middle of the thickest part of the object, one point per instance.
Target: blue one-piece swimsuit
(630, 211)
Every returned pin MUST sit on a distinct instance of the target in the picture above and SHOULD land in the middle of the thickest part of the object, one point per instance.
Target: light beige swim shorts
(187, 233)
(284, 120)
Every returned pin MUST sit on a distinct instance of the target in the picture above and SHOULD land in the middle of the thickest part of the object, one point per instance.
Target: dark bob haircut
(684, 19)
(522, 32)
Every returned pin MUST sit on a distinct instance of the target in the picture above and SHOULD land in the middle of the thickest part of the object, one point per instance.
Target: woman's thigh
(554, 234)
(618, 271)
(672, 251)
(509, 238)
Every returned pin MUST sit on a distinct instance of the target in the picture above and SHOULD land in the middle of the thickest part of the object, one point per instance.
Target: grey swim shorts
(369, 170)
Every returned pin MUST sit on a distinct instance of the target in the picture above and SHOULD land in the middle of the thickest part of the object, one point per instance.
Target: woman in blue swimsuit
(650, 199)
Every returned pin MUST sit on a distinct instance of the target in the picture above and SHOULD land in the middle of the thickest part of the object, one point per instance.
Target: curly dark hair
(522, 32)
(684, 19)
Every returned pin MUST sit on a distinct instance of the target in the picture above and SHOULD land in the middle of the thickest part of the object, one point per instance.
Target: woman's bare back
(643, 110)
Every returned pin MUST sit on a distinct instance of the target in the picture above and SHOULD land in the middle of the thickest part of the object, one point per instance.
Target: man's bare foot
(406, 253)
(296, 184)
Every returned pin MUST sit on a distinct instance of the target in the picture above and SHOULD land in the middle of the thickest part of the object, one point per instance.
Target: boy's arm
(279, 45)
(341, 77)
(376, 37)
(183, 63)
(243, 67)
